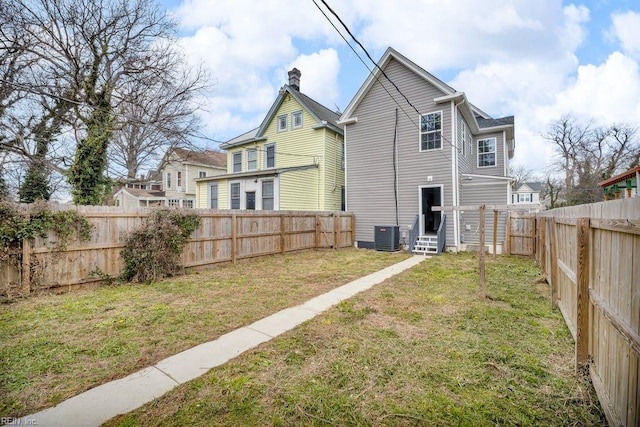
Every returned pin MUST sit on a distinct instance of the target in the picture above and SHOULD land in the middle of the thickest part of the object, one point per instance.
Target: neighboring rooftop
(535, 186)
(207, 157)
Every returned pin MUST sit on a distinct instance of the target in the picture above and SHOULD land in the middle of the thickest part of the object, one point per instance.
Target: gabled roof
(478, 120)
(207, 157)
(534, 186)
(324, 116)
(630, 174)
(143, 194)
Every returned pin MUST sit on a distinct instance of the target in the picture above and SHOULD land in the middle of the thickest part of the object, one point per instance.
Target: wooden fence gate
(521, 234)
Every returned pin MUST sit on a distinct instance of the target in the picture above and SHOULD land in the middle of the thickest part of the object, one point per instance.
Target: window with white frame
(267, 195)
(282, 123)
(202, 174)
(168, 179)
(173, 202)
(234, 190)
(270, 156)
(252, 159)
(431, 131)
(187, 203)
(296, 119)
(179, 179)
(237, 162)
(486, 152)
(213, 196)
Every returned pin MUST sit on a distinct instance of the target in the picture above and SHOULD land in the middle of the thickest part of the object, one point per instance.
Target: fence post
(282, 233)
(582, 275)
(353, 229)
(495, 232)
(25, 270)
(507, 238)
(234, 237)
(336, 230)
(482, 266)
(318, 227)
(554, 264)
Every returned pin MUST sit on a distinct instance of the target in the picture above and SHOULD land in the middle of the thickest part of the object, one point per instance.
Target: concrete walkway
(99, 404)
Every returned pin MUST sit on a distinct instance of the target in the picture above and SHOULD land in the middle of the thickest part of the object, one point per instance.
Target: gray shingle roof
(208, 157)
(322, 112)
(535, 186)
(489, 123)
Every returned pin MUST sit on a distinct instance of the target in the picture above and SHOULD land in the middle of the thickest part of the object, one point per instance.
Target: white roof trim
(388, 55)
(472, 175)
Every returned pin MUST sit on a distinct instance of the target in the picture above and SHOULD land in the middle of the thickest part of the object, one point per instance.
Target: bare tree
(521, 174)
(90, 59)
(156, 115)
(589, 154)
(551, 189)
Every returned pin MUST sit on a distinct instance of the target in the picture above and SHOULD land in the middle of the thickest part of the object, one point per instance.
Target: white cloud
(319, 75)
(626, 28)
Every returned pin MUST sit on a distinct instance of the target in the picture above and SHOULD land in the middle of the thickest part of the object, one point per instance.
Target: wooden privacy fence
(521, 234)
(222, 236)
(591, 255)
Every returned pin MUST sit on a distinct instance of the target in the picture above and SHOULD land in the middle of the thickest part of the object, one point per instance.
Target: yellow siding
(314, 189)
(299, 190)
(202, 194)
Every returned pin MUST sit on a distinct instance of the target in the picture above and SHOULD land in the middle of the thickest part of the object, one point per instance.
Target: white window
(174, 202)
(235, 195)
(213, 196)
(270, 156)
(431, 131)
(252, 159)
(296, 119)
(202, 174)
(187, 203)
(282, 123)
(237, 162)
(267, 195)
(486, 152)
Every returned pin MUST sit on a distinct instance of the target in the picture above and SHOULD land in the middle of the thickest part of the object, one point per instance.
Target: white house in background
(527, 193)
(179, 169)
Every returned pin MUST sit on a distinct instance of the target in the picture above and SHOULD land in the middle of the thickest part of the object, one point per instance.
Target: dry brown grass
(55, 346)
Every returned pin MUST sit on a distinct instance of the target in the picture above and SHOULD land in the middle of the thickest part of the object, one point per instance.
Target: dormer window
(282, 123)
(296, 119)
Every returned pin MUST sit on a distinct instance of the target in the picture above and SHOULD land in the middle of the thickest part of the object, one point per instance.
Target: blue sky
(535, 60)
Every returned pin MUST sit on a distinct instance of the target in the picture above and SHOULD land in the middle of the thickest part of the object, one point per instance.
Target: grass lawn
(420, 349)
(53, 347)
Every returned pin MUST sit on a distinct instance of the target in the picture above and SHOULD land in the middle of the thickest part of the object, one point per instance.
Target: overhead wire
(386, 76)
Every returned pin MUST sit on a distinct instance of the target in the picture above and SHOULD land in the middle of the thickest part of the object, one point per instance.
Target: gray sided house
(406, 156)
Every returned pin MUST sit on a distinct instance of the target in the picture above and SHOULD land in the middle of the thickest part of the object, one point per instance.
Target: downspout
(456, 192)
(395, 167)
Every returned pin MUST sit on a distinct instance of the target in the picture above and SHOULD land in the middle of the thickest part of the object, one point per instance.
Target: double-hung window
(267, 195)
(431, 131)
(202, 174)
(270, 156)
(213, 196)
(282, 123)
(486, 152)
(179, 180)
(235, 195)
(252, 159)
(237, 162)
(168, 179)
(296, 119)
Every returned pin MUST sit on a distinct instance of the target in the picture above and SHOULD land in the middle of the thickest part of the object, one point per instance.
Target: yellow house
(293, 161)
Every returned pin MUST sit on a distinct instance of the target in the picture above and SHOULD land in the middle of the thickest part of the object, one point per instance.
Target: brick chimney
(294, 79)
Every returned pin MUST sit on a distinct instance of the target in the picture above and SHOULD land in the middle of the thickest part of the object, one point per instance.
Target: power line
(417, 125)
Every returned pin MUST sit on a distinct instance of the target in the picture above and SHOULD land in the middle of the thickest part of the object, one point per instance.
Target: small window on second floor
(486, 152)
(179, 179)
(202, 174)
(252, 159)
(282, 123)
(270, 156)
(168, 179)
(237, 162)
(431, 131)
(296, 120)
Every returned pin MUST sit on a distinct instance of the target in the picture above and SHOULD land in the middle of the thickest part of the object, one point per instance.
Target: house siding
(478, 191)
(316, 188)
(498, 169)
(369, 146)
